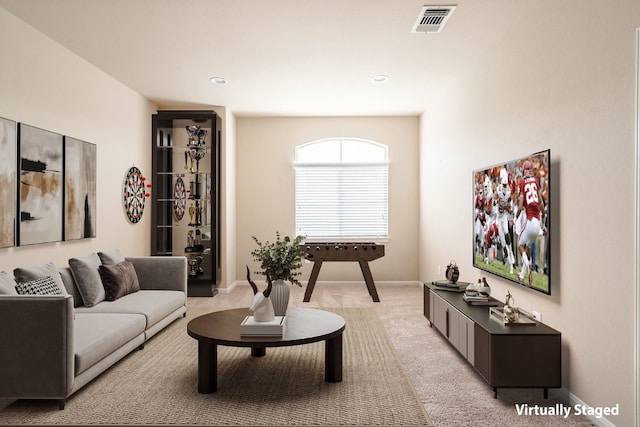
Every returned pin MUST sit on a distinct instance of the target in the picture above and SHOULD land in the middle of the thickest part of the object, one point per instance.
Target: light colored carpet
(454, 394)
(158, 385)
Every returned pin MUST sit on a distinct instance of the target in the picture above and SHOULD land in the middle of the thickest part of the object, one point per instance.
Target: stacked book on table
(274, 328)
(475, 298)
(447, 285)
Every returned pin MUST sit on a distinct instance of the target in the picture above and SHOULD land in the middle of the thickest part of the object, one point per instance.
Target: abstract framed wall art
(79, 189)
(8, 184)
(40, 200)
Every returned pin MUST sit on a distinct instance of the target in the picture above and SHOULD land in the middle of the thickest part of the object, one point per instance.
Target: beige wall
(45, 85)
(565, 81)
(567, 84)
(229, 214)
(266, 191)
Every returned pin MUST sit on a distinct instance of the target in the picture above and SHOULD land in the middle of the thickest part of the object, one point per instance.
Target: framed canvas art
(41, 154)
(80, 189)
(8, 184)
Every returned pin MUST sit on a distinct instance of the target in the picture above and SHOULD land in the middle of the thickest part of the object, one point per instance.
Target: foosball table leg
(368, 278)
(312, 280)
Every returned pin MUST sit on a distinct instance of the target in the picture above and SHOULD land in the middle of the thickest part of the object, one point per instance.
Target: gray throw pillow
(112, 257)
(119, 280)
(7, 284)
(85, 273)
(27, 274)
(42, 286)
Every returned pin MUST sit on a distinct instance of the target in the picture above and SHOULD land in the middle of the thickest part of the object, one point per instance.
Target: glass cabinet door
(186, 193)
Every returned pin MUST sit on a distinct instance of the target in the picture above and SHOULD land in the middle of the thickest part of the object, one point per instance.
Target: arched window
(341, 189)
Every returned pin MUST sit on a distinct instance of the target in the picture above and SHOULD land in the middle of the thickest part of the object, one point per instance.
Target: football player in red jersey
(530, 203)
(491, 238)
(480, 220)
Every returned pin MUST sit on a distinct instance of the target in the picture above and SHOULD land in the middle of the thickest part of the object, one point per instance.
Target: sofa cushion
(7, 284)
(70, 285)
(155, 305)
(118, 280)
(97, 335)
(85, 273)
(26, 274)
(43, 286)
(111, 257)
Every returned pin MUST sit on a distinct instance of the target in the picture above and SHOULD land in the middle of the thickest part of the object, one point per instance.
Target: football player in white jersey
(503, 209)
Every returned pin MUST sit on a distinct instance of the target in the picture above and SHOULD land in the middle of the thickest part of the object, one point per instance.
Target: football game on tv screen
(511, 220)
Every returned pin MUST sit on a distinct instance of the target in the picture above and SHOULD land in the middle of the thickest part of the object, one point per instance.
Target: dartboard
(179, 198)
(133, 193)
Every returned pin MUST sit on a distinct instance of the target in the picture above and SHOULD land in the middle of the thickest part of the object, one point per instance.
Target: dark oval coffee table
(304, 326)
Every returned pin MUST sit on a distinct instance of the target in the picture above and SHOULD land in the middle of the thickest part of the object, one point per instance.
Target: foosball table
(362, 253)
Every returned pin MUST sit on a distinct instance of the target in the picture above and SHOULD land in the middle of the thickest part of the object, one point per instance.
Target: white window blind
(340, 199)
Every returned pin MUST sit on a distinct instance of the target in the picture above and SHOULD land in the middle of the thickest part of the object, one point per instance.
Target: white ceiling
(280, 57)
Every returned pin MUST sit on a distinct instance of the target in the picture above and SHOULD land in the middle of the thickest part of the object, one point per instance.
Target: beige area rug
(158, 385)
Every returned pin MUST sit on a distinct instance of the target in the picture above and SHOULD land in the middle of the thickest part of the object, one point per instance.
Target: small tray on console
(497, 314)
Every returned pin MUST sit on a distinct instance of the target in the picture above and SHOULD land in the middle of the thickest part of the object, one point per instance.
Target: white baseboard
(327, 283)
(572, 400)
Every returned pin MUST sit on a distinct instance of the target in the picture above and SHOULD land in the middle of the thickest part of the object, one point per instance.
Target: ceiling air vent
(432, 19)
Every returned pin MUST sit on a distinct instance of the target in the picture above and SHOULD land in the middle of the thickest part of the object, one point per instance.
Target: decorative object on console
(279, 261)
(474, 298)
(511, 313)
(478, 294)
(452, 273)
(134, 194)
(512, 220)
(483, 287)
(447, 285)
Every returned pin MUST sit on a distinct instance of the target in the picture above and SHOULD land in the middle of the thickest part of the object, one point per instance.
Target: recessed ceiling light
(218, 80)
(380, 78)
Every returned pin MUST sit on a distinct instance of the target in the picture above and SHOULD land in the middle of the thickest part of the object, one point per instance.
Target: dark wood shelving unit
(186, 194)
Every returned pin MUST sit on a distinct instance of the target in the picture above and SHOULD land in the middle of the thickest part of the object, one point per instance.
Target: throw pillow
(7, 284)
(42, 286)
(119, 280)
(85, 273)
(111, 257)
(26, 274)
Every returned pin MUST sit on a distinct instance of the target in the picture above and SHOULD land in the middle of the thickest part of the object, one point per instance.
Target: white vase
(280, 297)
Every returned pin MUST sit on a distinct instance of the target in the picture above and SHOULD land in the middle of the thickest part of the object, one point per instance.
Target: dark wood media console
(505, 356)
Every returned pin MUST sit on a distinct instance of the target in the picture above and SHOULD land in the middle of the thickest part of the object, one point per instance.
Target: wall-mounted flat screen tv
(512, 221)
